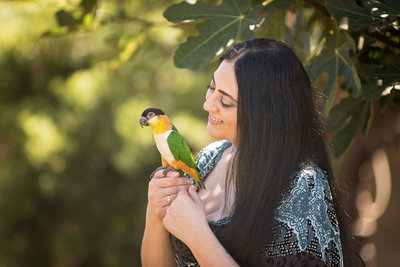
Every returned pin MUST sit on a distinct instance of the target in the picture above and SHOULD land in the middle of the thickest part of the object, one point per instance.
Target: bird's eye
(150, 115)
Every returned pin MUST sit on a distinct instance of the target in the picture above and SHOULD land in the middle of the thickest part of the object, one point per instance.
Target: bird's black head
(152, 112)
(148, 114)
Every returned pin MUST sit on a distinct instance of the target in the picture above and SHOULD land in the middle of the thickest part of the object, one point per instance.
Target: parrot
(175, 152)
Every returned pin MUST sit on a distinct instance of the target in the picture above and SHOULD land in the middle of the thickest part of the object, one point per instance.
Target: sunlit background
(74, 162)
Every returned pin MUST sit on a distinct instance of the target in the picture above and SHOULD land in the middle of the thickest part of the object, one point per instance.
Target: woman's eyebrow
(226, 94)
(222, 91)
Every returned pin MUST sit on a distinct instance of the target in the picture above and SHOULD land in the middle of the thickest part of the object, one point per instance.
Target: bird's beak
(143, 122)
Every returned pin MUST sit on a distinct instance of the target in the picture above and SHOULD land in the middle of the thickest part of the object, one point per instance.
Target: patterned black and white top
(305, 232)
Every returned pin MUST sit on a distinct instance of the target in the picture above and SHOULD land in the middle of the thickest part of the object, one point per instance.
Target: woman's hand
(186, 216)
(163, 190)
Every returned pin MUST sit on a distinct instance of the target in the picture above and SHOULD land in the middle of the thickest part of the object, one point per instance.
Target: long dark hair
(279, 127)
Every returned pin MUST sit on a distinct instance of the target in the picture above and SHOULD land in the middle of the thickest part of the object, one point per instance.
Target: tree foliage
(350, 48)
(75, 77)
(230, 20)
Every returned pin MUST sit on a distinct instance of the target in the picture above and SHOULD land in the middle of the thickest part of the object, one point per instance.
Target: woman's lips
(214, 120)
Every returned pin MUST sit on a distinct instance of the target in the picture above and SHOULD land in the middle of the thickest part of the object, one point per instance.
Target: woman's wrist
(200, 238)
(152, 218)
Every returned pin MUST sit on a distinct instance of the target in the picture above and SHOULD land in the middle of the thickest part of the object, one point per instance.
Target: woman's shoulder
(309, 179)
(209, 156)
(306, 219)
(308, 197)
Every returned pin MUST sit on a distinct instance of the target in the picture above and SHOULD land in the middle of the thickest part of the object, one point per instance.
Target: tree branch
(374, 35)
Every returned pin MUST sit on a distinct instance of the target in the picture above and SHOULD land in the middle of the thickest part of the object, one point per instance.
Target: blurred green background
(74, 162)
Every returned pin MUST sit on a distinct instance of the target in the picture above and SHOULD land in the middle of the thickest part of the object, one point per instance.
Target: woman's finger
(173, 190)
(169, 181)
(160, 183)
(193, 194)
(169, 199)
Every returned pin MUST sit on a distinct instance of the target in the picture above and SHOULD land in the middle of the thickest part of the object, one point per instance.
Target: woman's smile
(213, 120)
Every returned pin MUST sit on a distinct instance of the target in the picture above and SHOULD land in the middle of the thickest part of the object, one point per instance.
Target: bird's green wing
(180, 149)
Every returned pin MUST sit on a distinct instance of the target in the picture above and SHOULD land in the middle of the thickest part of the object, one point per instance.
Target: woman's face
(221, 103)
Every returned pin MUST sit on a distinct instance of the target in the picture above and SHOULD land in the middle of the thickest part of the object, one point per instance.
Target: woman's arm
(208, 251)
(156, 247)
(317, 240)
(186, 220)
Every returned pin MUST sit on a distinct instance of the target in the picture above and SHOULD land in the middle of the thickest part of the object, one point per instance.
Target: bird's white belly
(162, 145)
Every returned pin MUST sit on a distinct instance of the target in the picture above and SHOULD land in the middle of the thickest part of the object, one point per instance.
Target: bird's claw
(167, 170)
(156, 170)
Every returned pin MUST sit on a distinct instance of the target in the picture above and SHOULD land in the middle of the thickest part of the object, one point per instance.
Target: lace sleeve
(306, 221)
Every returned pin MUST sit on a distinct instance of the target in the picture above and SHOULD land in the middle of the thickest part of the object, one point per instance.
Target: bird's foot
(167, 170)
(156, 170)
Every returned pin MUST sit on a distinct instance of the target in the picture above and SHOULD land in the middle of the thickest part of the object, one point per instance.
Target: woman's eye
(225, 103)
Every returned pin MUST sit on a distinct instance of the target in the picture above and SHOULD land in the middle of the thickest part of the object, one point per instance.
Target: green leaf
(256, 2)
(335, 60)
(371, 15)
(230, 20)
(275, 6)
(370, 89)
(300, 39)
(342, 141)
(274, 26)
(378, 78)
(341, 112)
(392, 6)
(368, 119)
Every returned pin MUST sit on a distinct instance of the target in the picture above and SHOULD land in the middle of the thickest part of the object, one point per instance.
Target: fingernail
(188, 181)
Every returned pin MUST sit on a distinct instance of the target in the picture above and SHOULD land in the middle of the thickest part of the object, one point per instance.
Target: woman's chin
(213, 132)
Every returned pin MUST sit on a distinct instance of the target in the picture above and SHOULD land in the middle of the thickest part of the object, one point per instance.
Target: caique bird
(174, 151)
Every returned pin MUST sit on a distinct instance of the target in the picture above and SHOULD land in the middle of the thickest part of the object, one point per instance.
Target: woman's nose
(210, 105)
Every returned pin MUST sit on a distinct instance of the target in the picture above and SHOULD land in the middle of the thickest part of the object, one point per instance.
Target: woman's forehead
(224, 77)
(226, 67)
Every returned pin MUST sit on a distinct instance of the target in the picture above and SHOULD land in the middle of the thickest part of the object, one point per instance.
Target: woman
(269, 198)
